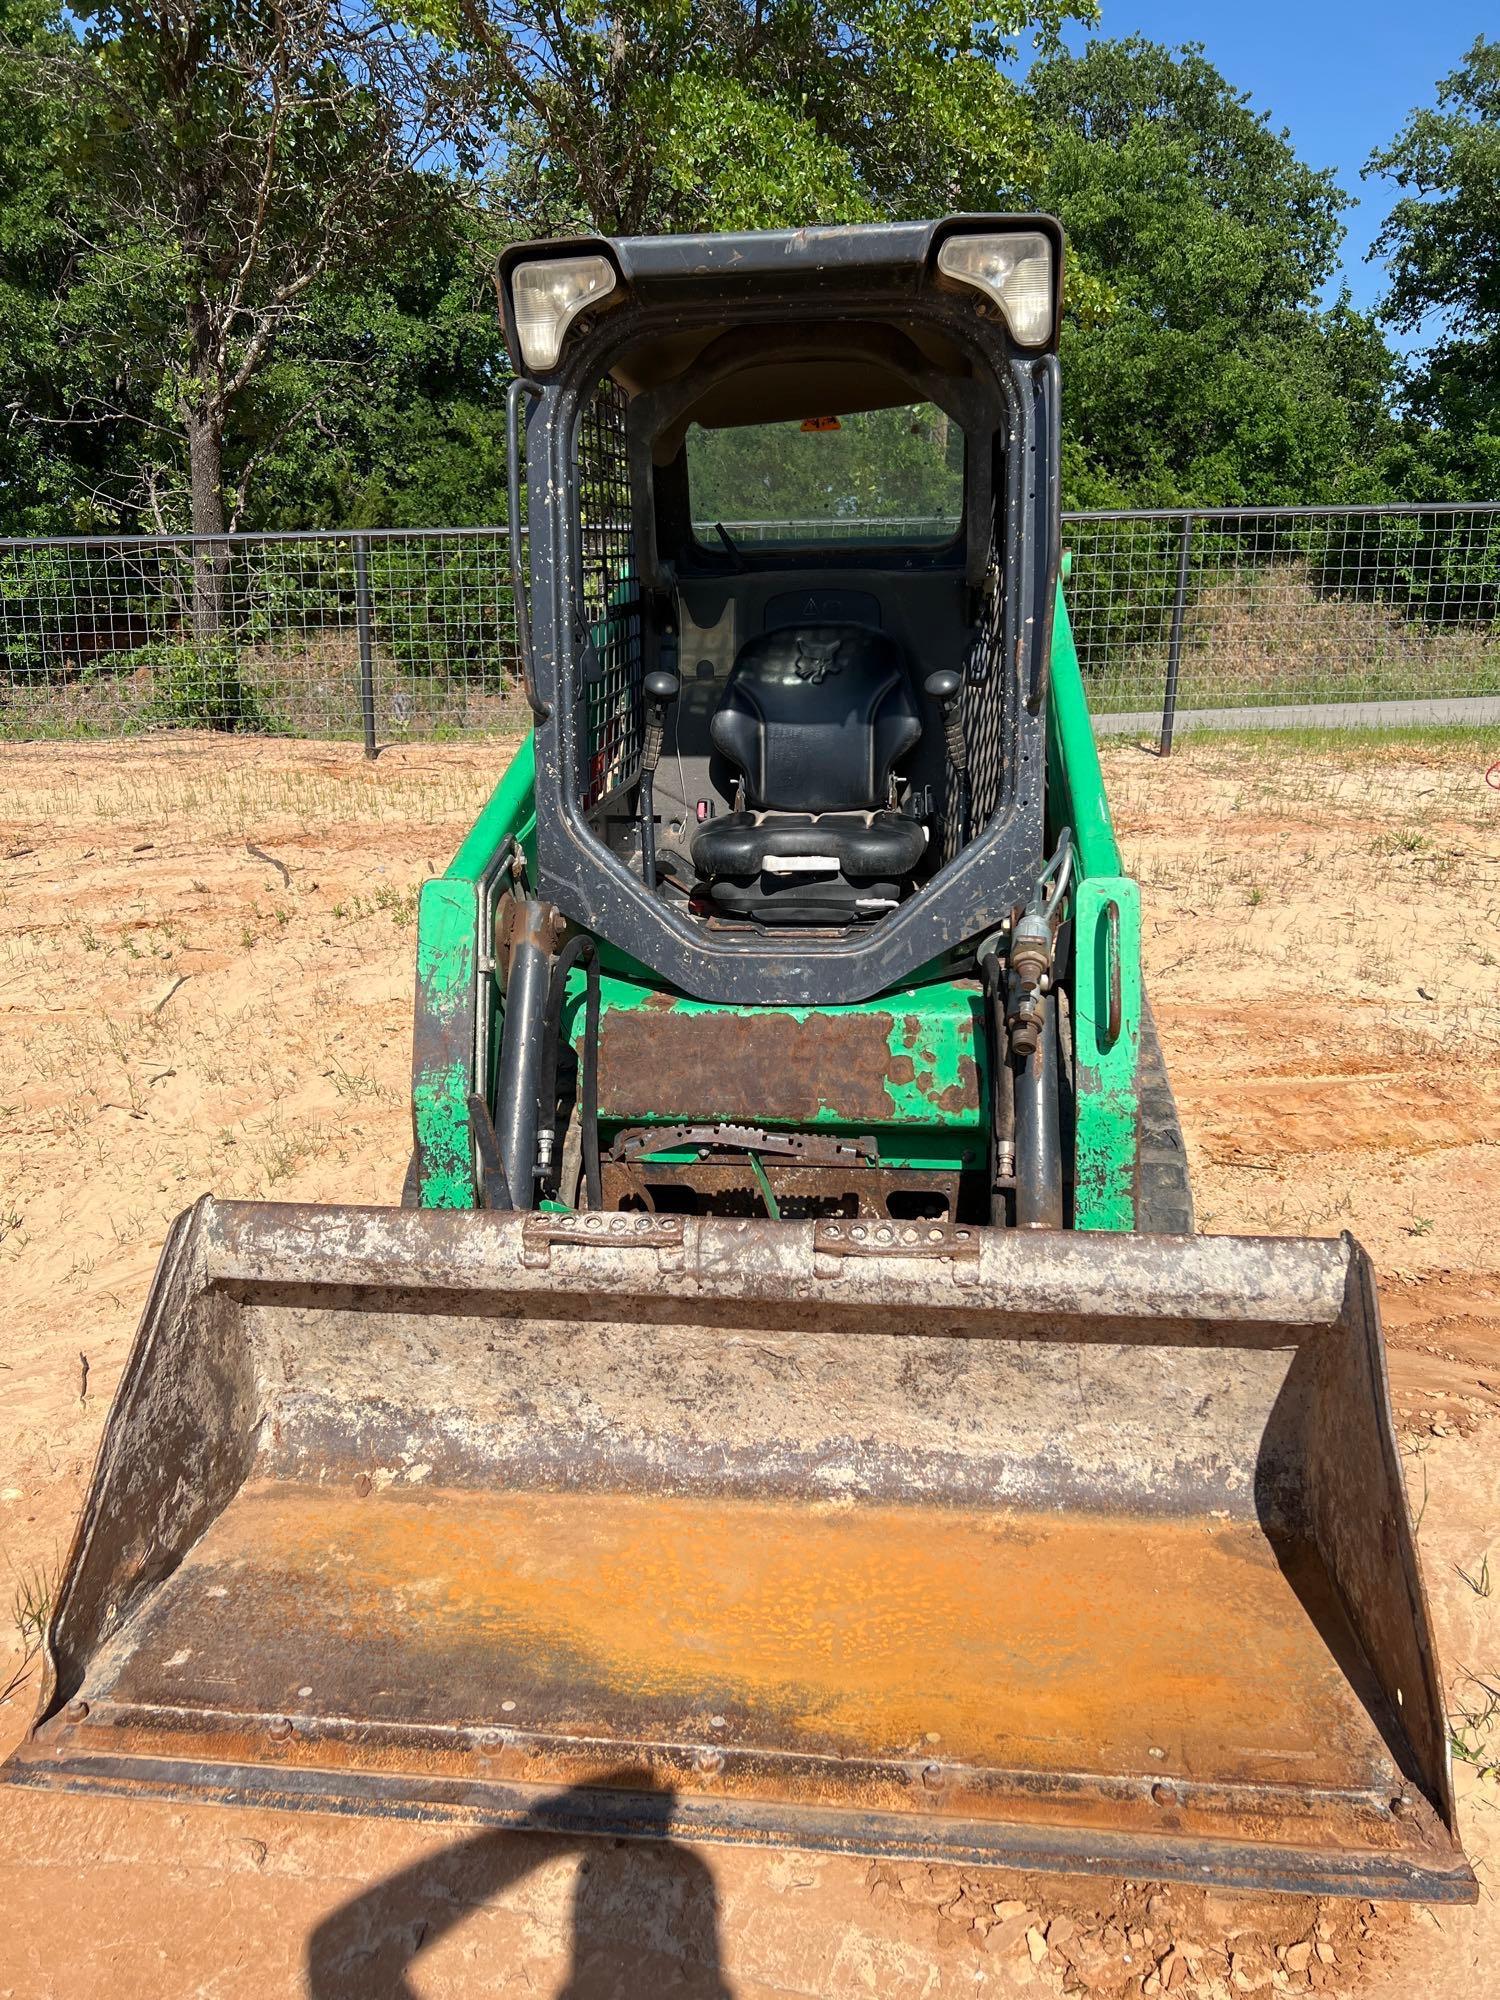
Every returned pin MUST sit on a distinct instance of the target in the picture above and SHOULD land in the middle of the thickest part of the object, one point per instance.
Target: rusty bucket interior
(1061, 1552)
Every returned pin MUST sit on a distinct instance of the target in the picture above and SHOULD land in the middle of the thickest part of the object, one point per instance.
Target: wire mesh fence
(317, 635)
(1246, 614)
(1230, 615)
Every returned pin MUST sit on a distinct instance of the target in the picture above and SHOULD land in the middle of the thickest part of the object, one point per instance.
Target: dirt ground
(205, 976)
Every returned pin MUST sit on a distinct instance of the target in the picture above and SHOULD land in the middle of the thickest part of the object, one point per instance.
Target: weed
(1420, 1225)
(1402, 840)
(1472, 1720)
(402, 903)
(356, 1084)
(30, 1610)
(1479, 1582)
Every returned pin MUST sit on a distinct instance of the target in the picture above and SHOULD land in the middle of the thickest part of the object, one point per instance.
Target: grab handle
(522, 386)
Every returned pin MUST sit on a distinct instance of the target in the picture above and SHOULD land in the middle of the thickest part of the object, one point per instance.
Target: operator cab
(792, 519)
(804, 500)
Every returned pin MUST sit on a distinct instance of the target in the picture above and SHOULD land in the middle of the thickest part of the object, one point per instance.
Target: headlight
(549, 295)
(1014, 271)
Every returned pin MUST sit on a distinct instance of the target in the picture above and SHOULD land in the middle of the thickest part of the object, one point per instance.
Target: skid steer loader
(790, 1403)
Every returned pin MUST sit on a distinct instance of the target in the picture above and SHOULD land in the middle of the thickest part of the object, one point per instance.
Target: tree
(52, 459)
(724, 114)
(386, 409)
(1199, 364)
(1442, 240)
(224, 167)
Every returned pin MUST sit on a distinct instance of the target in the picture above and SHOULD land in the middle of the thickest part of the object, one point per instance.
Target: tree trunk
(205, 443)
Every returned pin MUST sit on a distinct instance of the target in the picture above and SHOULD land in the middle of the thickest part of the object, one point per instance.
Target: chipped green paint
(443, 1042)
(509, 812)
(450, 990)
(936, 1065)
(1106, 952)
(936, 1034)
(440, 1117)
(1105, 1139)
(447, 912)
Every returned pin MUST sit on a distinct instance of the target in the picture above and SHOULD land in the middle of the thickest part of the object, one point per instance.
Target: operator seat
(815, 719)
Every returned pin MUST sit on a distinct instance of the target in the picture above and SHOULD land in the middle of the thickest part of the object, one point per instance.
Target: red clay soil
(205, 975)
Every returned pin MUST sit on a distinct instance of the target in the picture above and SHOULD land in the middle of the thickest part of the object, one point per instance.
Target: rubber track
(1164, 1204)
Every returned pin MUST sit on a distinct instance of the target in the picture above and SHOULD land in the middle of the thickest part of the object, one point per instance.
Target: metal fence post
(363, 623)
(1174, 643)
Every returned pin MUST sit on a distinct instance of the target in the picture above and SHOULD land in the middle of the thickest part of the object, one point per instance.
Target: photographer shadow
(645, 1912)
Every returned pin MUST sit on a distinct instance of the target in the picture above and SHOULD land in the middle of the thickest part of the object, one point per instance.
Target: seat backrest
(815, 717)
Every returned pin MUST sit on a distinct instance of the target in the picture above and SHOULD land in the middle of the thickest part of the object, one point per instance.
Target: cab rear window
(877, 475)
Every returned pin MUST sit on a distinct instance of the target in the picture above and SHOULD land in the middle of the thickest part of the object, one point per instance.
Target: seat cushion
(811, 868)
(859, 845)
(814, 718)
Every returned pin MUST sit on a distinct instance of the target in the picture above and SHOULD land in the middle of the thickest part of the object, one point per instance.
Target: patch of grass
(1355, 739)
(356, 1084)
(31, 1611)
(1472, 1721)
(399, 904)
(1479, 1582)
(1401, 840)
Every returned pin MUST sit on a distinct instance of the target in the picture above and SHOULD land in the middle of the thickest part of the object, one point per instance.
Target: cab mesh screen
(608, 700)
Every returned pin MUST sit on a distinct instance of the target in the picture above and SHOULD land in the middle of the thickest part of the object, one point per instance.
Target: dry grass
(30, 1612)
(1269, 635)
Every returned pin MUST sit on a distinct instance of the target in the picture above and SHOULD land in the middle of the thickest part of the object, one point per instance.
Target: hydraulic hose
(577, 950)
(1003, 1095)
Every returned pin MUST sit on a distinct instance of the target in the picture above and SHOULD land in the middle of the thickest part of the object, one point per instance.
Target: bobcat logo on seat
(815, 662)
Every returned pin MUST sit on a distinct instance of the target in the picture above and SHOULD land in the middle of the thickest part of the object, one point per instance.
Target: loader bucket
(1067, 1552)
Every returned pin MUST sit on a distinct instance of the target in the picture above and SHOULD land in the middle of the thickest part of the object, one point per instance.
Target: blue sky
(1341, 75)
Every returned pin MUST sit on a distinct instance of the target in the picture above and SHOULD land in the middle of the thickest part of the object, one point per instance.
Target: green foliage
(1198, 364)
(195, 686)
(352, 372)
(712, 114)
(219, 183)
(1442, 240)
(56, 450)
(387, 408)
(441, 609)
(904, 463)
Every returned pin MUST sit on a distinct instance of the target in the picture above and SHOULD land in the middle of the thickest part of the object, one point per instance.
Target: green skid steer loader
(790, 1403)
